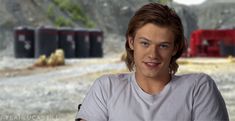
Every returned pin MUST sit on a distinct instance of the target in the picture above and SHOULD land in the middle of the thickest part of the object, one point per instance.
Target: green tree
(74, 11)
(62, 21)
(51, 12)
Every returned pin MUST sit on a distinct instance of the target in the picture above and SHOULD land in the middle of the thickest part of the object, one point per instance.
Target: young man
(152, 92)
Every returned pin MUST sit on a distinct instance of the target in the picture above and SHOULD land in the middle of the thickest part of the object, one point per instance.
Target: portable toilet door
(24, 42)
(67, 41)
(82, 40)
(96, 41)
(46, 41)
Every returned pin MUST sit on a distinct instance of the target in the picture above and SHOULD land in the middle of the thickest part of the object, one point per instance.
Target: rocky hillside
(216, 14)
(110, 16)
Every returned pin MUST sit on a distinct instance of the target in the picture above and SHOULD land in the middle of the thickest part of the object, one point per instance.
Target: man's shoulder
(117, 76)
(193, 78)
(115, 79)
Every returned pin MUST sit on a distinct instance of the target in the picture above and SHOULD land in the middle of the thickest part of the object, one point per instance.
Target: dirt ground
(52, 93)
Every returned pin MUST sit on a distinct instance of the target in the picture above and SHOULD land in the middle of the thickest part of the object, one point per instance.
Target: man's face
(153, 48)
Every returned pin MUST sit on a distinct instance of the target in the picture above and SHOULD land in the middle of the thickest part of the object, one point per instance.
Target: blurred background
(41, 93)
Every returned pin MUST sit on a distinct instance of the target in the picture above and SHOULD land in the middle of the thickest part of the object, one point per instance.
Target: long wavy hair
(160, 15)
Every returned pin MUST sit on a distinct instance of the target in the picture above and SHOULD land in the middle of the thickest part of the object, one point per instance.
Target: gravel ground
(53, 93)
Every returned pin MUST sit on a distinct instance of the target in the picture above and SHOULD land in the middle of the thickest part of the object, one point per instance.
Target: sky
(189, 2)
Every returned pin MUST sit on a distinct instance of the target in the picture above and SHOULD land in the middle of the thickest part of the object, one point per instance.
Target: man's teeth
(151, 63)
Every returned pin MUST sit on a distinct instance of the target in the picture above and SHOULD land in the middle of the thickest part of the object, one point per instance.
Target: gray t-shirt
(118, 97)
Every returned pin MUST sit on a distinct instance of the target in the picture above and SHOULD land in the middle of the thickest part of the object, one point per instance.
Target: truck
(212, 43)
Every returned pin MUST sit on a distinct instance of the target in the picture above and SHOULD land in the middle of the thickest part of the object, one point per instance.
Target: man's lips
(152, 64)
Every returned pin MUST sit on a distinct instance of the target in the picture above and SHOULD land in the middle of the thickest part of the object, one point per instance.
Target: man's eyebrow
(166, 42)
(144, 38)
(163, 42)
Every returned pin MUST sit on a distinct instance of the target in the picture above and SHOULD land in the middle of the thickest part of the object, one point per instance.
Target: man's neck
(152, 85)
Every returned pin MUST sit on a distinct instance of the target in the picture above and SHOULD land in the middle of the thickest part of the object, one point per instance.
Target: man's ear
(175, 50)
(131, 42)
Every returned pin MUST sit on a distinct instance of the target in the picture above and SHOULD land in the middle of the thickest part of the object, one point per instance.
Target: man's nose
(153, 52)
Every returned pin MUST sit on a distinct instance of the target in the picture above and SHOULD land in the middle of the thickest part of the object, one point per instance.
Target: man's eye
(145, 44)
(164, 46)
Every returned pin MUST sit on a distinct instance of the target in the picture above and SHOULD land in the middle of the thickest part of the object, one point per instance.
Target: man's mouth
(152, 64)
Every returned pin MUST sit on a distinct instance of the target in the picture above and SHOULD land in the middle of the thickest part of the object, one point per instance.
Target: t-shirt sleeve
(208, 103)
(94, 105)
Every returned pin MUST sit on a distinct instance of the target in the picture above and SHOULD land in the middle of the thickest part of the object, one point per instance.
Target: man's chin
(151, 74)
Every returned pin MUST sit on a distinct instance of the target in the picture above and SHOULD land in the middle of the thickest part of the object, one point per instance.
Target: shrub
(74, 11)
(50, 11)
(61, 21)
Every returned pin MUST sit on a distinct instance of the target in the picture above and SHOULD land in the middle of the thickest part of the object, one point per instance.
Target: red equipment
(212, 43)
